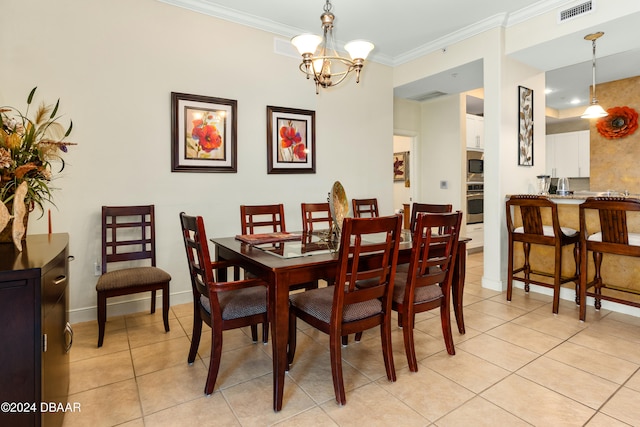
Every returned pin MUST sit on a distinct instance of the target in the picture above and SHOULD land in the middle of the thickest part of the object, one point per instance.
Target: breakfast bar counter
(616, 270)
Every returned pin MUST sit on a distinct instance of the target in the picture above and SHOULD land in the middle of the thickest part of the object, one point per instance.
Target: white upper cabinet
(567, 154)
(475, 131)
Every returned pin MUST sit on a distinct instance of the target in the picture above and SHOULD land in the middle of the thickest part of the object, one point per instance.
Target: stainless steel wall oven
(475, 203)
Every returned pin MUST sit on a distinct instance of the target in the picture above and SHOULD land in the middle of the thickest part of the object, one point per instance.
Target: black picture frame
(203, 133)
(291, 140)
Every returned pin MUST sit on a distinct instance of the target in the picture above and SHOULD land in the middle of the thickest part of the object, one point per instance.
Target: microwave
(475, 165)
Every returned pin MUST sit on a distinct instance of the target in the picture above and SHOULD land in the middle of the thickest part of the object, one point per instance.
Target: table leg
(457, 289)
(279, 318)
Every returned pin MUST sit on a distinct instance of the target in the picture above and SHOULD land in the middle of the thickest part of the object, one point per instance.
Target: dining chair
(314, 213)
(364, 257)
(427, 283)
(221, 305)
(129, 242)
(363, 208)
(265, 219)
(533, 220)
(257, 218)
(417, 208)
(608, 234)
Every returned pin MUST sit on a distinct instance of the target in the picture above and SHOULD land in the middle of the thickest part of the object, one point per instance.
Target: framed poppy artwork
(291, 140)
(203, 131)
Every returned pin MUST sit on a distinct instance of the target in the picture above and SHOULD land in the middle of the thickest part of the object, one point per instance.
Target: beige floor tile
(624, 406)
(151, 333)
(614, 346)
(138, 422)
(595, 362)
(574, 383)
(110, 405)
(315, 417)
(433, 327)
(241, 365)
(203, 411)
(465, 369)
(366, 356)
(480, 321)
(146, 318)
(172, 386)
(602, 420)
(479, 412)
(311, 371)
(522, 336)
(231, 340)
(496, 309)
(373, 406)
(625, 318)
(252, 401)
(182, 310)
(525, 301)
(427, 392)
(85, 342)
(556, 326)
(498, 352)
(536, 404)
(162, 355)
(478, 291)
(625, 331)
(98, 371)
(634, 382)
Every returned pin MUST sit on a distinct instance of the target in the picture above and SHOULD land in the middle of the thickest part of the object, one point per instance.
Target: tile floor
(518, 364)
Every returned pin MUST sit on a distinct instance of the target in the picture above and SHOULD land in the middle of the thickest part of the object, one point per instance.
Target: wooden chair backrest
(366, 258)
(314, 213)
(255, 218)
(417, 208)
(363, 208)
(128, 234)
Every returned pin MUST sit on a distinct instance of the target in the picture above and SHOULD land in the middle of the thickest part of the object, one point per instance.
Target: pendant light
(594, 111)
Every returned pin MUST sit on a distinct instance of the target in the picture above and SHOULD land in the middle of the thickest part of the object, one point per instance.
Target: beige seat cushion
(131, 277)
(547, 230)
(634, 238)
(319, 303)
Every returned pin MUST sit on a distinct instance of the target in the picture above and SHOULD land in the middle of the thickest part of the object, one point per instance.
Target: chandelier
(319, 64)
(594, 110)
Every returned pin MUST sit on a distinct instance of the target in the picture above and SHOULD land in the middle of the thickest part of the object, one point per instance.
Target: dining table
(307, 258)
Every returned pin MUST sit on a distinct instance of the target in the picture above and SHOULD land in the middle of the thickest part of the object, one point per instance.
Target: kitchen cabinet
(476, 233)
(567, 154)
(475, 131)
(34, 330)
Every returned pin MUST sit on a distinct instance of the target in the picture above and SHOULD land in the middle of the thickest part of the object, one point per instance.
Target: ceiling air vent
(427, 96)
(575, 11)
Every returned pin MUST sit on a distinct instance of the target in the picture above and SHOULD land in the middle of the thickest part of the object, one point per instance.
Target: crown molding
(500, 20)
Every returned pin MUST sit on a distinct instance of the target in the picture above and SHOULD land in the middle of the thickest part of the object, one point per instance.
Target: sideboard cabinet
(34, 331)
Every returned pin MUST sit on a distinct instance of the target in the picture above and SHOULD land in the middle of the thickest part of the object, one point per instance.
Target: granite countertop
(580, 196)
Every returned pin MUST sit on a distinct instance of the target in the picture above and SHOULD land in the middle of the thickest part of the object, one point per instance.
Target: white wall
(114, 63)
(441, 154)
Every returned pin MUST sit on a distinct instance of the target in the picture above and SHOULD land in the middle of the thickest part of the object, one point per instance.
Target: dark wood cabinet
(35, 335)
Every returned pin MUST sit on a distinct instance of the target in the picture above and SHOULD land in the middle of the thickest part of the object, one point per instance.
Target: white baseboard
(570, 295)
(141, 303)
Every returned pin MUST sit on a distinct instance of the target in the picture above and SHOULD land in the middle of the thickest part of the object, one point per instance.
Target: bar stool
(533, 231)
(613, 238)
